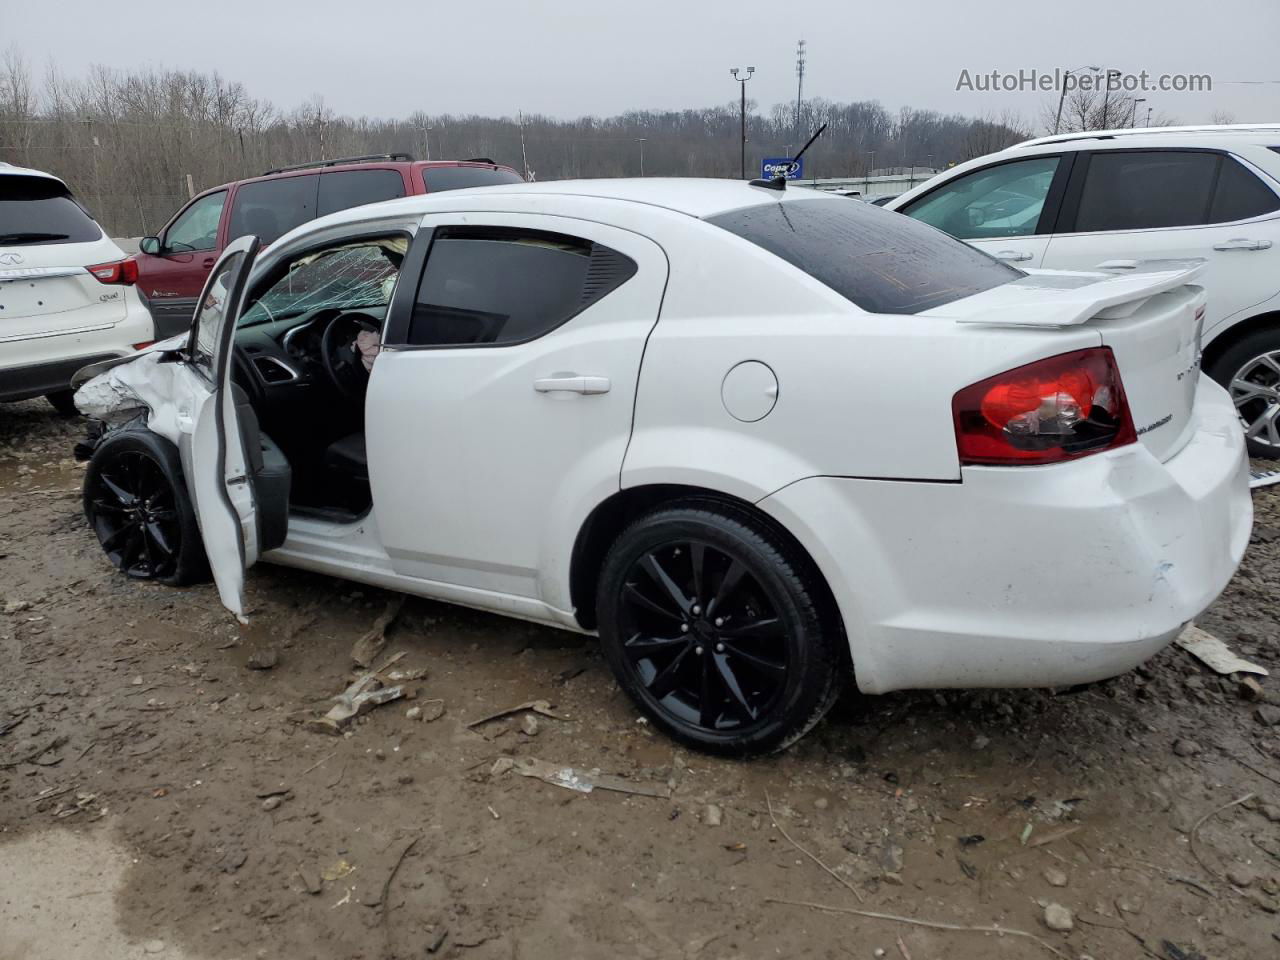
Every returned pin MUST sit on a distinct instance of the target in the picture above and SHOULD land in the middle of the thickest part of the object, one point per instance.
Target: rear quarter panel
(859, 394)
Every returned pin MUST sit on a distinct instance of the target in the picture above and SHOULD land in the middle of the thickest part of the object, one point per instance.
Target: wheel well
(1224, 341)
(611, 517)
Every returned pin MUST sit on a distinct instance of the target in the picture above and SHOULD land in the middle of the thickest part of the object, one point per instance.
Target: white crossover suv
(66, 290)
(755, 437)
(1112, 198)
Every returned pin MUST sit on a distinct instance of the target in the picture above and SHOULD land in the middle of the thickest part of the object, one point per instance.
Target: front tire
(1249, 369)
(137, 504)
(713, 624)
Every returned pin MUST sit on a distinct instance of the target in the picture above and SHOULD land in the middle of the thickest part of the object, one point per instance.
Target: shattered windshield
(347, 277)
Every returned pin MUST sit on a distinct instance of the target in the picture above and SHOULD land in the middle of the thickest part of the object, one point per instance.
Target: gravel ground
(175, 802)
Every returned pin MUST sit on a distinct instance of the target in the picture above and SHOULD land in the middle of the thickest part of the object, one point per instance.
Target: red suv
(172, 266)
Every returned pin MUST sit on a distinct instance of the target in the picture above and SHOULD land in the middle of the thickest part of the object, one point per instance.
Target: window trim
(396, 326)
(1049, 213)
(1066, 223)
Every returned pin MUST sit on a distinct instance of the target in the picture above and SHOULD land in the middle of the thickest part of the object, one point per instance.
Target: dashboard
(286, 354)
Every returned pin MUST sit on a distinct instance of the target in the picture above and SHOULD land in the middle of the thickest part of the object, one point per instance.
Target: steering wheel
(340, 356)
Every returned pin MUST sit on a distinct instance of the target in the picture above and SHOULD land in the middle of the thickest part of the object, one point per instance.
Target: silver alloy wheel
(1255, 389)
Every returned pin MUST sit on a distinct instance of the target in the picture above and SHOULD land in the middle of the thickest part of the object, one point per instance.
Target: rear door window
(1146, 190)
(196, 228)
(495, 286)
(352, 188)
(269, 209)
(436, 179)
(37, 210)
(883, 262)
(1240, 194)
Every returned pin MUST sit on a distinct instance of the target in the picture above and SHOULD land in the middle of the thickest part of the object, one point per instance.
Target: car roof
(9, 169)
(1267, 134)
(695, 197)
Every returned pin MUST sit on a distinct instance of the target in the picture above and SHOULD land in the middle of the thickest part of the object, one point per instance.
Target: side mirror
(149, 245)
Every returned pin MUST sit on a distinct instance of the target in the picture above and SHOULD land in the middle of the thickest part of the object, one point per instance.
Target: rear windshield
(881, 261)
(455, 178)
(36, 210)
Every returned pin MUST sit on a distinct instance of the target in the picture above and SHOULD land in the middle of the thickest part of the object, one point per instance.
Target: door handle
(1118, 265)
(1014, 256)
(572, 383)
(208, 262)
(1242, 243)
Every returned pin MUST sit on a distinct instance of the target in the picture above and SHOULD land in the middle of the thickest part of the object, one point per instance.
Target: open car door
(214, 460)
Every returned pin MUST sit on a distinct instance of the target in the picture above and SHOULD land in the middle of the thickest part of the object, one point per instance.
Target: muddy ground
(182, 811)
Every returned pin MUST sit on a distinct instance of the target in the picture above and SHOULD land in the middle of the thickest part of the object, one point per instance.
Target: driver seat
(347, 456)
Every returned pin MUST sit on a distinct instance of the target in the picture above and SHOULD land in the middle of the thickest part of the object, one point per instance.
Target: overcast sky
(388, 58)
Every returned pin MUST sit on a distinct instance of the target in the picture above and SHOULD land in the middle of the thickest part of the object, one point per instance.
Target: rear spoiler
(1073, 297)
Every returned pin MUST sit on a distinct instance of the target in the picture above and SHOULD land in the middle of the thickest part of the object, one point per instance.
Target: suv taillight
(117, 271)
(1052, 410)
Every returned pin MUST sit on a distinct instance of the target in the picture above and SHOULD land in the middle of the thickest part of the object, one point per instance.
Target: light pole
(1062, 94)
(640, 140)
(1133, 117)
(1148, 116)
(742, 84)
(1106, 95)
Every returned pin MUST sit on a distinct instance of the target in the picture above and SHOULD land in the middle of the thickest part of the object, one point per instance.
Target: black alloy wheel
(713, 628)
(139, 509)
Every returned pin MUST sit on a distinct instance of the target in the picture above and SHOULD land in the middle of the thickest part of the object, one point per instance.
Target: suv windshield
(881, 261)
(36, 210)
(354, 275)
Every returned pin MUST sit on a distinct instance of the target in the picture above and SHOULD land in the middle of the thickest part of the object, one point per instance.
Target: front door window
(197, 226)
(1004, 200)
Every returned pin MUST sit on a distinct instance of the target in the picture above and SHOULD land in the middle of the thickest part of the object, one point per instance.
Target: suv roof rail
(1272, 128)
(315, 164)
(480, 160)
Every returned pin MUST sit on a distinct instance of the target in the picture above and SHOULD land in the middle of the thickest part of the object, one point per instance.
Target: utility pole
(640, 140)
(800, 61)
(1148, 116)
(1133, 117)
(742, 83)
(524, 157)
(1106, 95)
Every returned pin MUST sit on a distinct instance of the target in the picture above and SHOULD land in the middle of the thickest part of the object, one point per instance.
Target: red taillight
(143, 345)
(1055, 409)
(117, 271)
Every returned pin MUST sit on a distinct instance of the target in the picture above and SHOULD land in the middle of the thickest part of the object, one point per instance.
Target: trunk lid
(1150, 315)
(45, 289)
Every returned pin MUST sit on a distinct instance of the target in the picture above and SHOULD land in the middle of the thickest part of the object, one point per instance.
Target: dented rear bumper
(1030, 576)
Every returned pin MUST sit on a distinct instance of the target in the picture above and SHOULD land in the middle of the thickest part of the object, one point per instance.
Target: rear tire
(712, 623)
(1254, 359)
(137, 505)
(64, 402)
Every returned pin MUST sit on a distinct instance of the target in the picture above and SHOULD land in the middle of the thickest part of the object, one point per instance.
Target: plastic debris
(1215, 654)
(584, 781)
(366, 649)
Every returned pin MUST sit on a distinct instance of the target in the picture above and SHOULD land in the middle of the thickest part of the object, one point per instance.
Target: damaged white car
(755, 438)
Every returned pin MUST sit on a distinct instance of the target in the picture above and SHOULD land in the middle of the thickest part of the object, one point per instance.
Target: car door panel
(484, 460)
(207, 423)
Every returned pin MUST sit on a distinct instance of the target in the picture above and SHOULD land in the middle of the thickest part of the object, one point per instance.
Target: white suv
(66, 290)
(1106, 199)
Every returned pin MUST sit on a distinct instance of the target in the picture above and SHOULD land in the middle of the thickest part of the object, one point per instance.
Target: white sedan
(753, 437)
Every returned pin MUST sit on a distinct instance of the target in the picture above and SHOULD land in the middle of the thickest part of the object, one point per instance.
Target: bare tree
(126, 140)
